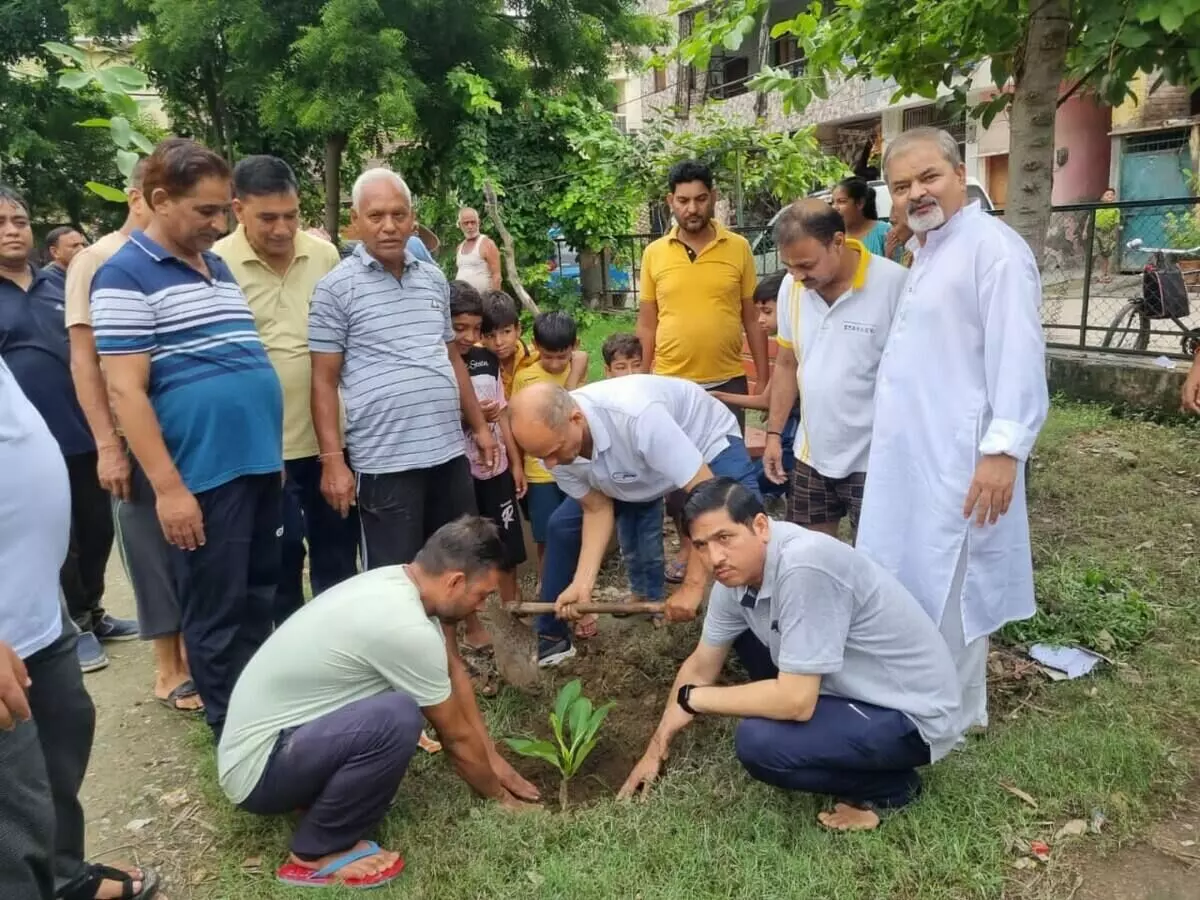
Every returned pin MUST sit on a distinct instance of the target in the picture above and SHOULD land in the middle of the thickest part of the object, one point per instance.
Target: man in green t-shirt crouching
(327, 714)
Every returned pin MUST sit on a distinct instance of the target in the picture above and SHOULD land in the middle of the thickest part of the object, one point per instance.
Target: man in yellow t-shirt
(697, 300)
(277, 266)
(697, 294)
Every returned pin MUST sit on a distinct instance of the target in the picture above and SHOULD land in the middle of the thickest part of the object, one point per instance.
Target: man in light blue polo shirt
(381, 343)
(622, 440)
(851, 687)
(202, 411)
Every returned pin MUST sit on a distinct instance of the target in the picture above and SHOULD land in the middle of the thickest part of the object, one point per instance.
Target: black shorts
(399, 511)
(496, 498)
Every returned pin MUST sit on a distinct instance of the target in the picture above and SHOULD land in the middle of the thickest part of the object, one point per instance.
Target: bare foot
(164, 686)
(428, 744)
(360, 868)
(849, 818)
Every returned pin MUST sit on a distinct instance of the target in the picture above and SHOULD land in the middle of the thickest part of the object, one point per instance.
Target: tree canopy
(43, 152)
(1036, 49)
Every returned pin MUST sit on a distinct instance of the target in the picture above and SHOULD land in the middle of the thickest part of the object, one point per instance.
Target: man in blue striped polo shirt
(379, 329)
(202, 411)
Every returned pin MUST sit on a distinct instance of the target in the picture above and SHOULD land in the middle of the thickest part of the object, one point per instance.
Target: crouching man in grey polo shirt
(852, 688)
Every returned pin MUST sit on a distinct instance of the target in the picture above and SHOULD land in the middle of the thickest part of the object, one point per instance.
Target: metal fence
(1092, 279)
(1094, 284)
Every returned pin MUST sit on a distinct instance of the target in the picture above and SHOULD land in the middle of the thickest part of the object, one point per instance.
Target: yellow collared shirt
(699, 334)
(532, 373)
(280, 307)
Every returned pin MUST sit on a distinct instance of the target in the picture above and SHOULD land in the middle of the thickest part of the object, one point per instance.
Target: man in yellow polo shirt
(697, 300)
(835, 310)
(697, 294)
(277, 266)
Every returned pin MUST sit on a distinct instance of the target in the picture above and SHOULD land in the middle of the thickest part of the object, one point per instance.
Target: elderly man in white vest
(960, 397)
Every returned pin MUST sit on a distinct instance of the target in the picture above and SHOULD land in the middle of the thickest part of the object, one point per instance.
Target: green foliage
(576, 726)
(926, 45)
(1089, 606)
(117, 83)
(771, 164)
(43, 152)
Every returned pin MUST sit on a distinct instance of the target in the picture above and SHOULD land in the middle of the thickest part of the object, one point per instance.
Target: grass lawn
(1113, 507)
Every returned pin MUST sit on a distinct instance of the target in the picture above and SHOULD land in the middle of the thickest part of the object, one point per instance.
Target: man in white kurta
(960, 398)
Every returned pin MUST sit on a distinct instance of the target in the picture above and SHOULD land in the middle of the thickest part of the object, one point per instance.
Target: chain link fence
(1106, 287)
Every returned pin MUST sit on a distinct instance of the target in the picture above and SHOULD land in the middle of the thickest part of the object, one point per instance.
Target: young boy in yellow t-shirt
(555, 343)
(502, 335)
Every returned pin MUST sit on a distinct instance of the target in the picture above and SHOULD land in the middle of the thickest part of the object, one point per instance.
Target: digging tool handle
(641, 609)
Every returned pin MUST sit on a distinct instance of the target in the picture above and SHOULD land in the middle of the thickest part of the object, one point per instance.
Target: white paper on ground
(1074, 661)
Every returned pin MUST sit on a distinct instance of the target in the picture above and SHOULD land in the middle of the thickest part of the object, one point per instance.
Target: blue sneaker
(113, 629)
(554, 651)
(92, 657)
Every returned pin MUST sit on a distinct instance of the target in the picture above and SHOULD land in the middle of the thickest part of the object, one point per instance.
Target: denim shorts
(540, 501)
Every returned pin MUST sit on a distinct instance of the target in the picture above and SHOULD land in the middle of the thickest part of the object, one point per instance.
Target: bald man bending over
(609, 446)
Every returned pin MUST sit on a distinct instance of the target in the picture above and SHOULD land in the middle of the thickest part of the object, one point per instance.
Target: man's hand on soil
(683, 605)
(516, 804)
(643, 775)
(512, 781)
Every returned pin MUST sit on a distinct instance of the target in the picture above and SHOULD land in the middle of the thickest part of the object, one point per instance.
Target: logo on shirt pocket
(862, 328)
(624, 477)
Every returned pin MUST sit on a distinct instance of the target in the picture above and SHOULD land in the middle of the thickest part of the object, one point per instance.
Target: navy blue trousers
(332, 542)
(566, 532)
(856, 752)
(226, 588)
(342, 769)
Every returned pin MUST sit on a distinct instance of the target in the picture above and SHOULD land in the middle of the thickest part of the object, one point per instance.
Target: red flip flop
(299, 876)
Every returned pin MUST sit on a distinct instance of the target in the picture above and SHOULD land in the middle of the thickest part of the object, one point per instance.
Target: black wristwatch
(683, 698)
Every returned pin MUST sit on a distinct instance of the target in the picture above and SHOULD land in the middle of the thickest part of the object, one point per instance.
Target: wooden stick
(510, 255)
(639, 609)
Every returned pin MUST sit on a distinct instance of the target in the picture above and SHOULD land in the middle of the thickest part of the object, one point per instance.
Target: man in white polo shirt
(623, 440)
(835, 310)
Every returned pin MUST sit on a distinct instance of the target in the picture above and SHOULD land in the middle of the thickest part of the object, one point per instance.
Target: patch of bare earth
(141, 799)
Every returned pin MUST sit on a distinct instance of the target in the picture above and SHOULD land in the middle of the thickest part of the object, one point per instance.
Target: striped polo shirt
(214, 391)
(398, 384)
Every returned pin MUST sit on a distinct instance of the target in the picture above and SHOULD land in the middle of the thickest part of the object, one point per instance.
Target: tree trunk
(1039, 70)
(764, 58)
(334, 145)
(591, 278)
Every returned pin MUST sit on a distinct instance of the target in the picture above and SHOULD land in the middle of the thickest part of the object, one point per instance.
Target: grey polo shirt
(826, 609)
(650, 435)
(398, 385)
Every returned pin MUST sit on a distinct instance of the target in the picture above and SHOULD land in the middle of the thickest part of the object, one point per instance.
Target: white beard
(927, 220)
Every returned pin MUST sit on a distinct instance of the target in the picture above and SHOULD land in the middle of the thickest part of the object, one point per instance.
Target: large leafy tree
(307, 78)
(43, 151)
(1040, 51)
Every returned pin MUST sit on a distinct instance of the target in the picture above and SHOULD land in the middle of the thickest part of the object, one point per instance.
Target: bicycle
(1164, 296)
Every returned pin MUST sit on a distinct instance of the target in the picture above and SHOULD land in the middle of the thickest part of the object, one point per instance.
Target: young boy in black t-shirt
(496, 493)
